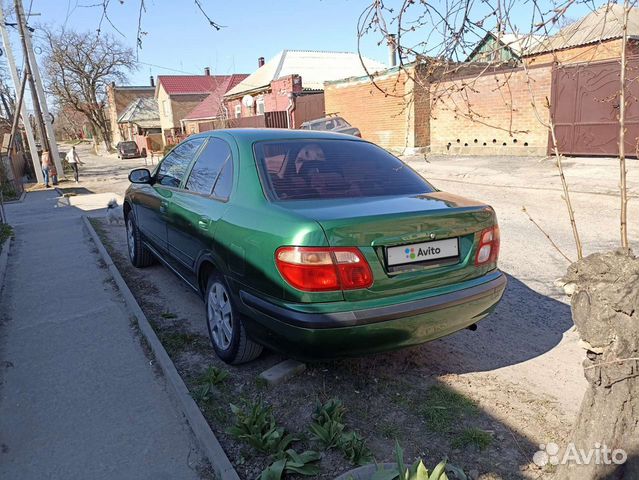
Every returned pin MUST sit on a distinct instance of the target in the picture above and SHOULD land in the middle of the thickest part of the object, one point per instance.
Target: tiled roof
(190, 84)
(603, 24)
(211, 106)
(143, 112)
(315, 68)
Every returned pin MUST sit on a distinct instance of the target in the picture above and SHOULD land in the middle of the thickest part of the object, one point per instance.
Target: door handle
(203, 223)
(163, 207)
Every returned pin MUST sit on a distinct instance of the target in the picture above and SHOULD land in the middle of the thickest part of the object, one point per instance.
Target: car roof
(263, 134)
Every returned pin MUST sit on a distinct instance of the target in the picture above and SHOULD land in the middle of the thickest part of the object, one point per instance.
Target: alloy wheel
(220, 315)
(130, 238)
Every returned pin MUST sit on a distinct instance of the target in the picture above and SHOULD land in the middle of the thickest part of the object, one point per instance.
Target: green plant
(354, 447)
(257, 427)
(202, 394)
(213, 376)
(293, 462)
(443, 406)
(5, 232)
(328, 434)
(168, 315)
(333, 410)
(417, 471)
(472, 436)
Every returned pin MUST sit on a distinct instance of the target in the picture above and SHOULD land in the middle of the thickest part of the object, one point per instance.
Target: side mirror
(140, 175)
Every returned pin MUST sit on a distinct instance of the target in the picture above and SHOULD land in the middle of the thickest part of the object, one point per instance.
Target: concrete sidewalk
(78, 397)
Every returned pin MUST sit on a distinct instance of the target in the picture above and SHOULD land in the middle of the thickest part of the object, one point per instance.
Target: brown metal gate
(585, 108)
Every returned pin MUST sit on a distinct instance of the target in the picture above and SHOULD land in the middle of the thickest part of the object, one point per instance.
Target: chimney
(260, 62)
(152, 81)
(392, 50)
(207, 71)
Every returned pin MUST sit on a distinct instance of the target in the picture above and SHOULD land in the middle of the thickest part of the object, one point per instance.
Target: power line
(166, 68)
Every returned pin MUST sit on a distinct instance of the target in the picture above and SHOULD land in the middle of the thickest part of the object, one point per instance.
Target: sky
(180, 40)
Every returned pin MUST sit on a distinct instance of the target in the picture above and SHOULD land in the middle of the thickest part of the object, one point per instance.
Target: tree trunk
(605, 309)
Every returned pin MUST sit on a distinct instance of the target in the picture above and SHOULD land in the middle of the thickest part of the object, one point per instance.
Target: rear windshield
(128, 145)
(324, 169)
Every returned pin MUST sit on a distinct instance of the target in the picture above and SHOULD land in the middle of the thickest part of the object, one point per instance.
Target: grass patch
(168, 315)
(443, 407)
(472, 436)
(178, 341)
(390, 431)
(5, 232)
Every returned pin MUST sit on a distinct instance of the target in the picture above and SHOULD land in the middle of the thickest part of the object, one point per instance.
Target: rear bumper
(346, 333)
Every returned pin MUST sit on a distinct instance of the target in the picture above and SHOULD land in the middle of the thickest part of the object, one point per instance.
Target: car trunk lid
(412, 243)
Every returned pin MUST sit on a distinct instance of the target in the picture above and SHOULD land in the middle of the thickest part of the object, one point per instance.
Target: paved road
(78, 398)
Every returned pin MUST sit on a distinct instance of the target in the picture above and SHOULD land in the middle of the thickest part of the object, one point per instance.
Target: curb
(4, 260)
(206, 438)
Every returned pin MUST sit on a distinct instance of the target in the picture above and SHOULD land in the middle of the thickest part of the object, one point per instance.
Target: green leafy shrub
(213, 376)
(202, 394)
(292, 462)
(328, 435)
(354, 447)
(332, 410)
(257, 427)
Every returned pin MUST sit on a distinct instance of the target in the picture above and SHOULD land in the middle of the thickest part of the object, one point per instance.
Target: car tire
(225, 325)
(139, 254)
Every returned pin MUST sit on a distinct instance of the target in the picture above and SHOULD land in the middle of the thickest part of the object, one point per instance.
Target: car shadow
(525, 325)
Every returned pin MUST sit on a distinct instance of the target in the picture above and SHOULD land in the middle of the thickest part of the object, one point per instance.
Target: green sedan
(318, 245)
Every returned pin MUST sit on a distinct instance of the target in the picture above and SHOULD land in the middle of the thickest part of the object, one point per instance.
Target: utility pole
(37, 91)
(20, 109)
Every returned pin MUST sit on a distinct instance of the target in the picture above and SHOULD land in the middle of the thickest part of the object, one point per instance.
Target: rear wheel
(225, 325)
(139, 255)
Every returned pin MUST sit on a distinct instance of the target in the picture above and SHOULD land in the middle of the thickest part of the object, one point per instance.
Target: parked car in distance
(332, 124)
(128, 149)
(314, 244)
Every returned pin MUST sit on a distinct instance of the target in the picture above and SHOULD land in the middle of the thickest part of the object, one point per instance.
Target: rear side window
(213, 170)
(324, 169)
(174, 165)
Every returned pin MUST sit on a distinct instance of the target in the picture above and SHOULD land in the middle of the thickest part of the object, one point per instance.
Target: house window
(238, 111)
(260, 106)
(166, 108)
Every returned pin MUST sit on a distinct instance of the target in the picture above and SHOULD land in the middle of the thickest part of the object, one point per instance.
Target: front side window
(174, 165)
(213, 170)
(325, 169)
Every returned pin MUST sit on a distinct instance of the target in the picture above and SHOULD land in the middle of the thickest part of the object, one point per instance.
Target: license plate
(422, 252)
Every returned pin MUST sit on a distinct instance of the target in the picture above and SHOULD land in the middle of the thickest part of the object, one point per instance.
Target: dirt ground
(519, 372)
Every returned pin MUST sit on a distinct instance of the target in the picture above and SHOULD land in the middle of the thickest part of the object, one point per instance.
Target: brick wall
(389, 115)
(587, 53)
(491, 113)
(275, 97)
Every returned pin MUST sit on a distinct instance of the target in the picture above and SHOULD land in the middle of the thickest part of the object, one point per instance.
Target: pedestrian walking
(74, 161)
(47, 167)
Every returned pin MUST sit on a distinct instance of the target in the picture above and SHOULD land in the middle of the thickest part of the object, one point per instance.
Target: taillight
(488, 248)
(320, 269)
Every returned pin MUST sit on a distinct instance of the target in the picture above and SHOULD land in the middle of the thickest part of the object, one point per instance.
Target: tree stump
(605, 309)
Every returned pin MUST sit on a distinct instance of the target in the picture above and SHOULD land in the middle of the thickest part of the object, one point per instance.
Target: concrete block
(281, 372)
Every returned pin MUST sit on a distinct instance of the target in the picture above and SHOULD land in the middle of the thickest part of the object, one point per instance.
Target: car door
(153, 201)
(195, 210)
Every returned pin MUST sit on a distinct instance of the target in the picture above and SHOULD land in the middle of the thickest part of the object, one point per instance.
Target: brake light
(488, 248)
(321, 269)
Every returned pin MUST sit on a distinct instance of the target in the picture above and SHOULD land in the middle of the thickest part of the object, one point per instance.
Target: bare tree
(79, 67)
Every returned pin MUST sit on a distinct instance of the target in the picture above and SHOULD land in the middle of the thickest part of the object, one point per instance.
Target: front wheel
(225, 325)
(139, 255)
